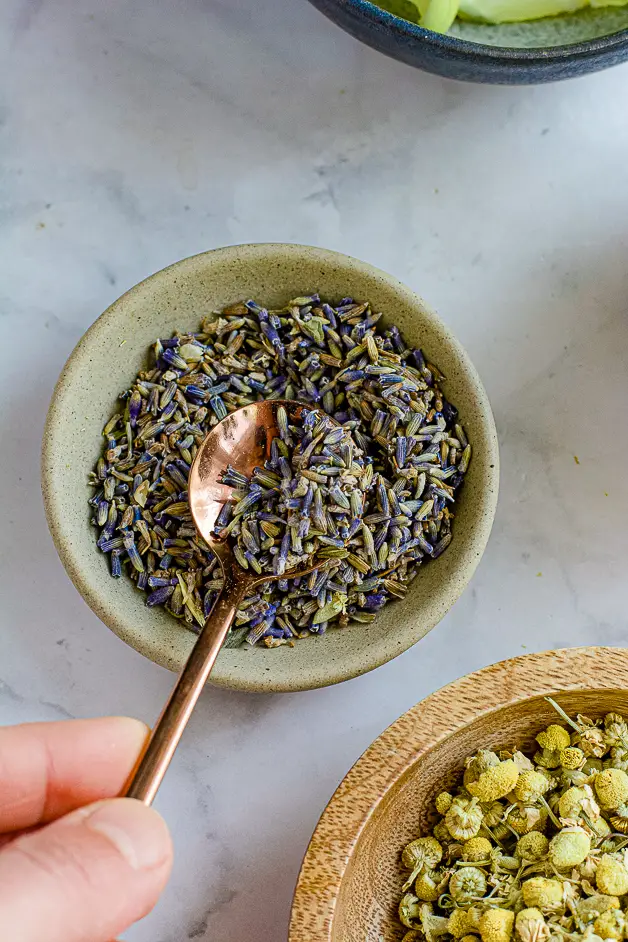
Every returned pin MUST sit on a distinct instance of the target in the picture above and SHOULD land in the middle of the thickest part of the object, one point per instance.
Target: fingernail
(138, 833)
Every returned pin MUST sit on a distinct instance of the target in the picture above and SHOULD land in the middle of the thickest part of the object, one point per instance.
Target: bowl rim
(426, 725)
(336, 671)
(484, 52)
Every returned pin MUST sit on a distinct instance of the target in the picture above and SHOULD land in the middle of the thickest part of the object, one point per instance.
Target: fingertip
(126, 730)
(92, 873)
(138, 833)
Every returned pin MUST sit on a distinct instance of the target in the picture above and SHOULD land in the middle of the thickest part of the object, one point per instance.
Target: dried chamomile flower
(483, 760)
(553, 776)
(460, 923)
(589, 908)
(578, 805)
(493, 813)
(500, 832)
(430, 884)
(524, 818)
(496, 925)
(555, 738)
(593, 765)
(586, 734)
(521, 761)
(619, 819)
(464, 818)
(409, 910)
(433, 926)
(441, 832)
(422, 854)
(531, 926)
(476, 848)
(414, 935)
(531, 853)
(495, 782)
(577, 777)
(475, 914)
(547, 758)
(569, 847)
(467, 885)
(618, 758)
(572, 758)
(443, 802)
(610, 925)
(590, 739)
(611, 876)
(427, 886)
(599, 827)
(530, 786)
(615, 730)
(611, 788)
(543, 893)
(532, 846)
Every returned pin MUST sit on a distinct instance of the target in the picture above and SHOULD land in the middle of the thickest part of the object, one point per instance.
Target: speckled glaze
(177, 297)
(543, 50)
(350, 881)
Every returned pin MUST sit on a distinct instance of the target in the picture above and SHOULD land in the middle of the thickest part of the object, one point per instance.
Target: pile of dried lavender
(529, 848)
(384, 395)
(305, 503)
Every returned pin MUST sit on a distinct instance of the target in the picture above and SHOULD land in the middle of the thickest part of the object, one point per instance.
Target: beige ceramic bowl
(349, 885)
(107, 359)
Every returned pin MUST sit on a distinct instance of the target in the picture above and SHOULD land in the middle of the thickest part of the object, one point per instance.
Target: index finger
(49, 769)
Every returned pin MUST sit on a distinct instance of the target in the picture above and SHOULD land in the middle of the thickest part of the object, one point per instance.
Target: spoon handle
(168, 730)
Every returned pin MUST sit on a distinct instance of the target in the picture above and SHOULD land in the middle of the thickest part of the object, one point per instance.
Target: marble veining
(133, 135)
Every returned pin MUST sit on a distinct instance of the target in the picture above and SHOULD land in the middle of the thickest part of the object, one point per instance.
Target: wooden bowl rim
(505, 683)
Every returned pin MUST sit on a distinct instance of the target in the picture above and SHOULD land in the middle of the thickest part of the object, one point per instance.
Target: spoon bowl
(243, 441)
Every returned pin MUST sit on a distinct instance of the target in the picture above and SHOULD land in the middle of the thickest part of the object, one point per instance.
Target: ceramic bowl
(107, 359)
(349, 886)
(545, 50)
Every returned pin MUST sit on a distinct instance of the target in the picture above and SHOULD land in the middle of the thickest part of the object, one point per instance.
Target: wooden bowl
(107, 359)
(350, 881)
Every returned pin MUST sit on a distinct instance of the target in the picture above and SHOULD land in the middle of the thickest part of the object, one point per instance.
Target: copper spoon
(243, 440)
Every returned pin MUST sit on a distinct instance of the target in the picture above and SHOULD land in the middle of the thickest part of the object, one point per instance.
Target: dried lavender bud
(385, 397)
(285, 490)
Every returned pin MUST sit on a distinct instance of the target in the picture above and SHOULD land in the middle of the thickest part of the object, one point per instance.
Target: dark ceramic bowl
(544, 50)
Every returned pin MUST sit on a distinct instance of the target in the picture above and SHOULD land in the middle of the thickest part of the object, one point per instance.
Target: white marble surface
(133, 134)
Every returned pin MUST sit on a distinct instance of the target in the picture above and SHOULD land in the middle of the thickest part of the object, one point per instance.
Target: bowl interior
(107, 359)
(371, 888)
(551, 31)
(350, 880)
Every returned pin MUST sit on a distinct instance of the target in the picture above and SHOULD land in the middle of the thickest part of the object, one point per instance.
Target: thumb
(86, 877)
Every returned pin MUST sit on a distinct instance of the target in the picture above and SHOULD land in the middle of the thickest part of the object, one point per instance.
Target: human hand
(75, 867)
